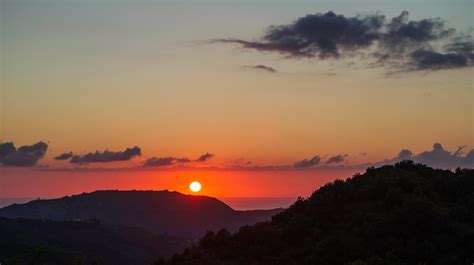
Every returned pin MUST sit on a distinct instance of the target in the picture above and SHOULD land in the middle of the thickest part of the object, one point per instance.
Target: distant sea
(236, 203)
(249, 203)
(9, 201)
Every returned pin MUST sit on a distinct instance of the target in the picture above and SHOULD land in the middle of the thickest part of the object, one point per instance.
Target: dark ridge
(156, 211)
(402, 214)
(26, 241)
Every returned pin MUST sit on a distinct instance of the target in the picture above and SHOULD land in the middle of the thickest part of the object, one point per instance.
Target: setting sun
(195, 186)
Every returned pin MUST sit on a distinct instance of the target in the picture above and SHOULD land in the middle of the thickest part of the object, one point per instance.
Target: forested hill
(161, 212)
(43, 242)
(402, 214)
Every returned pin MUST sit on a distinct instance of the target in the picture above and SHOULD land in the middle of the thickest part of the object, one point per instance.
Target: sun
(195, 186)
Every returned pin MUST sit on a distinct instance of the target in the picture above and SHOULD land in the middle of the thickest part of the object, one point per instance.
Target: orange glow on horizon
(218, 183)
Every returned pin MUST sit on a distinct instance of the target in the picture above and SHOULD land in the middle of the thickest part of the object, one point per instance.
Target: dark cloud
(469, 159)
(240, 162)
(403, 35)
(25, 156)
(405, 154)
(397, 42)
(163, 161)
(464, 46)
(169, 160)
(442, 158)
(263, 68)
(183, 160)
(64, 156)
(205, 157)
(6, 149)
(107, 156)
(323, 35)
(336, 159)
(305, 163)
(430, 60)
(438, 157)
(459, 53)
(262, 46)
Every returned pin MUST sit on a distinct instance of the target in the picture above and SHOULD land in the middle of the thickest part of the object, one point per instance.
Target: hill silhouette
(160, 212)
(25, 241)
(402, 214)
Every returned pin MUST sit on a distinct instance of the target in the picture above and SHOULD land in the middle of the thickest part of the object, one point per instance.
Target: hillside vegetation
(402, 214)
(41, 242)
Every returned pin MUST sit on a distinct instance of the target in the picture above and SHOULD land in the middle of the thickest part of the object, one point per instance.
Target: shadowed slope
(402, 214)
(157, 211)
(25, 241)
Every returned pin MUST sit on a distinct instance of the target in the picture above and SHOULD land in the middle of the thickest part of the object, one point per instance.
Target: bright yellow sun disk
(195, 186)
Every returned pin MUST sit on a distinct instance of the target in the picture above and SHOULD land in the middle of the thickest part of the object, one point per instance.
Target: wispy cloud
(64, 156)
(164, 161)
(261, 67)
(173, 161)
(308, 162)
(106, 156)
(336, 159)
(205, 157)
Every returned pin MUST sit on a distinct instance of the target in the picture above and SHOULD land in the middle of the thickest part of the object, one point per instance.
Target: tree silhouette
(402, 214)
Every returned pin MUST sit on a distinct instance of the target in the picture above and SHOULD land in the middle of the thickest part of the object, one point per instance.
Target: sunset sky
(207, 91)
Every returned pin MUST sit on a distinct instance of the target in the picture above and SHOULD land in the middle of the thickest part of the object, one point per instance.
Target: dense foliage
(29, 242)
(402, 214)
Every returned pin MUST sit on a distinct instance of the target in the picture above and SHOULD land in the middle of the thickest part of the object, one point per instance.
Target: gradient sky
(94, 75)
